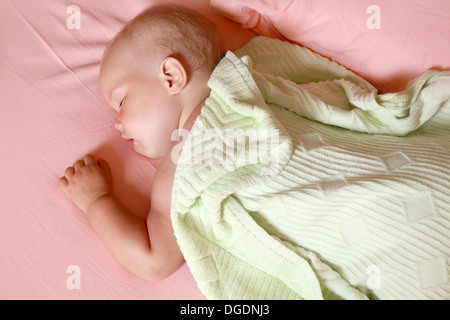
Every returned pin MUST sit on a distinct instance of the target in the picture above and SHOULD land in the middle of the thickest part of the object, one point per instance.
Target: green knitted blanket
(275, 198)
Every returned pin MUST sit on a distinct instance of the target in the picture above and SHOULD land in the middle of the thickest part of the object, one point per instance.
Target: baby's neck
(199, 92)
(187, 125)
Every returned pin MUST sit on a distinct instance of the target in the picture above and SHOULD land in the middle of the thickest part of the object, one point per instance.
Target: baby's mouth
(130, 142)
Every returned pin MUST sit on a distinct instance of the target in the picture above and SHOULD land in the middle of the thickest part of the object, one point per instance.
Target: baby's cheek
(158, 144)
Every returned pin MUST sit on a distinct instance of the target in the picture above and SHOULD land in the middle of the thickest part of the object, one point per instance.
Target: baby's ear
(173, 75)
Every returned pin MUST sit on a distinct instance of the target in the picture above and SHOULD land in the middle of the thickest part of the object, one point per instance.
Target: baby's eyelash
(121, 103)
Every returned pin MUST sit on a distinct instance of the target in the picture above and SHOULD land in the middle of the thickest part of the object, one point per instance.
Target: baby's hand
(87, 181)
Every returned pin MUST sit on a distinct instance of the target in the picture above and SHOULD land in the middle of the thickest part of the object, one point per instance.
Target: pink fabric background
(52, 113)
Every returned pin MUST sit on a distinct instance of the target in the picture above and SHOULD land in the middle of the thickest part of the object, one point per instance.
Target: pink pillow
(388, 42)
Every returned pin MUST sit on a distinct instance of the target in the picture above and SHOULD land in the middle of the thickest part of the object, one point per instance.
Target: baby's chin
(149, 152)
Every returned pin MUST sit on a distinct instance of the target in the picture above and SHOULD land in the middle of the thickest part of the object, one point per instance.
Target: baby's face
(146, 115)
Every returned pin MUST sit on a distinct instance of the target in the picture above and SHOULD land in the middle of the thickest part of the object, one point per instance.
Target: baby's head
(154, 73)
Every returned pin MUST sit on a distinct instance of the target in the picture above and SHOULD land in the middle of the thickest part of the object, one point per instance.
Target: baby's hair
(180, 32)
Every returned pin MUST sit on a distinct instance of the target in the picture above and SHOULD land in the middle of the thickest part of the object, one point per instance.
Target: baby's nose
(118, 125)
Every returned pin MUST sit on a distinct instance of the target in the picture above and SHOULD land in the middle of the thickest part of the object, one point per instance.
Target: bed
(52, 113)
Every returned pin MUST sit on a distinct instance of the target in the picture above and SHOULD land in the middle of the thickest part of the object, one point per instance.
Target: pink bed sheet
(51, 114)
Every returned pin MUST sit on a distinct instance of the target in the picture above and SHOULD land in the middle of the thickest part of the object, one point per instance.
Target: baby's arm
(146, 248)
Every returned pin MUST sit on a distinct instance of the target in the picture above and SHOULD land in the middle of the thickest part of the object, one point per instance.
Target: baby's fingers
(106, 168)
(89, 160)
(78, 165)
(63, 183)
(104, 165)
(70, 171)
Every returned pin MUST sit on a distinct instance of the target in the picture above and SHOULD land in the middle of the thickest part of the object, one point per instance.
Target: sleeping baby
(298, 210)
(154, 74)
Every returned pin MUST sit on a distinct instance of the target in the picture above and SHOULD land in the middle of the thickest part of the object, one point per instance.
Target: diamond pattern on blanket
(395, 160)
(331, 186)
(312, 141)
(205, 262)
(205, 172)
(353, 230)
(432, 273)
(418, 205)
(445, 145)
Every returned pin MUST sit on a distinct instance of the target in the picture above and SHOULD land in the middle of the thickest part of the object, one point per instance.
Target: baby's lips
(130, 142)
